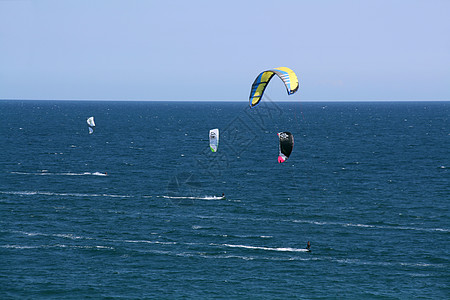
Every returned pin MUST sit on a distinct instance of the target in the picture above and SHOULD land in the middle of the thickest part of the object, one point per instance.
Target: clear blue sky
(213, 50)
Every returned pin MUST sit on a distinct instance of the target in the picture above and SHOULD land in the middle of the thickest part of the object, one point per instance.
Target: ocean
(134, 210)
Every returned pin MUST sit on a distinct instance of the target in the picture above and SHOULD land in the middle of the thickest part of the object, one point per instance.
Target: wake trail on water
(31, 193)
(281, 249)
(45, 173)
(104, 244)
(193, 197)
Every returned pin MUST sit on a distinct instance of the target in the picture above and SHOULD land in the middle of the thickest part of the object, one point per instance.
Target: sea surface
(134, 210)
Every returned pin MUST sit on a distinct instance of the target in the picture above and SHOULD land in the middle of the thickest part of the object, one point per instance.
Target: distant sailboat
(91, 124)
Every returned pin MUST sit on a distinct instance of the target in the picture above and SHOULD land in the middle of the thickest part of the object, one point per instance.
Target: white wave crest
(194, 198)
(46, 173)
(28, 193)
(390, 227)
(56, 246)
(282, 249)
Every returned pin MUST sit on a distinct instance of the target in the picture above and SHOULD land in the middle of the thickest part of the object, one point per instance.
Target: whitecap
(282, 249)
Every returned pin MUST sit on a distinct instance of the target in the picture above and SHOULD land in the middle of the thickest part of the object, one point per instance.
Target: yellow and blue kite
(288, 76)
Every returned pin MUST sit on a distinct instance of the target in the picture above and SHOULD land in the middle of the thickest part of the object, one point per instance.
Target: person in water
(308, 246)
(223, 195)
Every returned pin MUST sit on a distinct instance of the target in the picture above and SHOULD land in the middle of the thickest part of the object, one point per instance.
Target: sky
(213, 50)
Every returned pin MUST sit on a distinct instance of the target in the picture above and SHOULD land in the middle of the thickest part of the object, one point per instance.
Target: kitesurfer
(308, 246)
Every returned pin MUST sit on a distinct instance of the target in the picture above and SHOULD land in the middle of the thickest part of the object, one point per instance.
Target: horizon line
(140, 100)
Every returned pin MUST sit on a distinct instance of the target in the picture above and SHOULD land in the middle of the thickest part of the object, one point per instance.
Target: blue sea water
(134, 211)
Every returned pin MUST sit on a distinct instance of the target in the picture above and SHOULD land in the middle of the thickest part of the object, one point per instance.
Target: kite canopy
(214, 139)
(288, 76)
(91, 124)
(286, 145)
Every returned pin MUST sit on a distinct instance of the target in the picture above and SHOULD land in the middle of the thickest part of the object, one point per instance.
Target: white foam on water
(390, 227)
(60, 235)
(18, 247)
(46, 173)
(193, 197)
(150, 242)
(383, 263)
(282, 249)
(28, 193)
(56, 246)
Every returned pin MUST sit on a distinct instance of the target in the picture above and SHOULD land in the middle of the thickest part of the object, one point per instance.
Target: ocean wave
(325, 223)
(45, 173)
(208, 250)
(148, 242)
(385, 264)
(30, 193)
(281, 249)
(391, 227)
(206, 255)
(193, 198)
(246, 236)
(96, 247)
(77, 237)
(60, 235)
